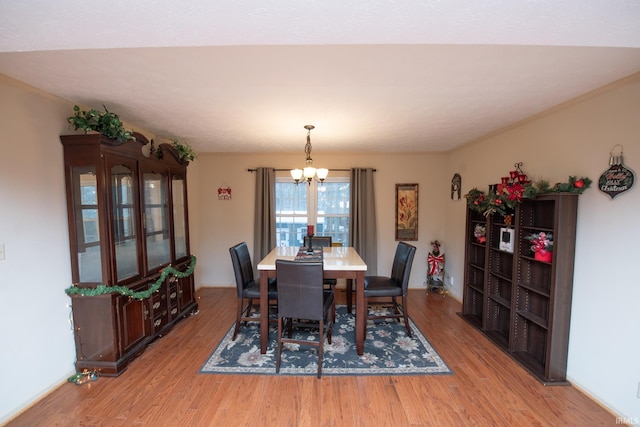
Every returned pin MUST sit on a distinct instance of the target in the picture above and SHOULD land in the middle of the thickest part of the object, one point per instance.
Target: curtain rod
(286, 170)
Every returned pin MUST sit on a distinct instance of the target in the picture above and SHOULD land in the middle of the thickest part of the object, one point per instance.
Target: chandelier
(309, 172)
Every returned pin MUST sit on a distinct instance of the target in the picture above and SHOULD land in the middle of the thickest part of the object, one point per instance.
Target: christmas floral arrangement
(541, 243)
(480, 232)
(505, 197)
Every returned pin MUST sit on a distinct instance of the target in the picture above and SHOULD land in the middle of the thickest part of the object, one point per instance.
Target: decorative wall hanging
(617, 179)
(224, 193)
(456, 187)
(406, 211)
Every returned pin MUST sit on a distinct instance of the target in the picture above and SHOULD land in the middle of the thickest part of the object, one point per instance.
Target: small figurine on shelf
(479, 232)
(435, 269)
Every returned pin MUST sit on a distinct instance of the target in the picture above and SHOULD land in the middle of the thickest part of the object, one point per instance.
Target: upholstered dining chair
(393, 286)
(318, 241)
(301, 296)
(248, 288)
(321, 242)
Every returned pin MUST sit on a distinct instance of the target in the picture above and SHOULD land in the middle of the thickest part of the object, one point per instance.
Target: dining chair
(318, 241)
(321, 242)
(248, 288)
(302, 297)
(393, 286)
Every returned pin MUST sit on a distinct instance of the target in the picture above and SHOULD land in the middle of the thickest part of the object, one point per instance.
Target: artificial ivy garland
(123, 290)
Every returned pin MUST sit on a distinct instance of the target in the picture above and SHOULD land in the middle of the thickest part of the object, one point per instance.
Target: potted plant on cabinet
(106, 123)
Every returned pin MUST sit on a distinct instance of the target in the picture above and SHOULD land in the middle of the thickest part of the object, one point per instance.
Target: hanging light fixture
(309, 172)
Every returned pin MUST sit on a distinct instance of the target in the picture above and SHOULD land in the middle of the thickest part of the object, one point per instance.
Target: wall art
(406, 211)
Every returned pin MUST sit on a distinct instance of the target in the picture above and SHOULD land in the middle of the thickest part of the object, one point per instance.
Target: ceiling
(381, 76)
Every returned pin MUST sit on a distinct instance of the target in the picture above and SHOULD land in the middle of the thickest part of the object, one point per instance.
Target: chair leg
(289, 325)
(406, 316)
(331, 320)
(238, 317)
(249, 307)
(279, 350)
(320, 349)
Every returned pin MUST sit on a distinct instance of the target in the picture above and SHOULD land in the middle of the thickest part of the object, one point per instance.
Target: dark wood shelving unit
(524, 305)
(475, 271)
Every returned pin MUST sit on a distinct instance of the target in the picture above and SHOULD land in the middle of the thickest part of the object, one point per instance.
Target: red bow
(434, 263)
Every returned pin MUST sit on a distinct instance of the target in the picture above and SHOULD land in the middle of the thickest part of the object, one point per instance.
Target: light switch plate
(1, 251)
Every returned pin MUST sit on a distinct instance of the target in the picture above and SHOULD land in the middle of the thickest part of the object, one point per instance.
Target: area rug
(388, 350)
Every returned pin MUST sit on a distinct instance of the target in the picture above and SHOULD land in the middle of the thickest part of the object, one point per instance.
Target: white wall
(577, 140)
(36, 339)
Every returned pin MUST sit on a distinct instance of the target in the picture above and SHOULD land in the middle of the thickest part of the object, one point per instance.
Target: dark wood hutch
(128, 219)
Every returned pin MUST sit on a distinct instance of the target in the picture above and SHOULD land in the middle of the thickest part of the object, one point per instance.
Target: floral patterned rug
(388, 350)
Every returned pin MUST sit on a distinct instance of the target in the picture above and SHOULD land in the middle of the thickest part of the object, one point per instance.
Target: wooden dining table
(338, 263)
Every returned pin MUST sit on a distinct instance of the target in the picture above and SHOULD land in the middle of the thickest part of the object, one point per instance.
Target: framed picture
(406, 212)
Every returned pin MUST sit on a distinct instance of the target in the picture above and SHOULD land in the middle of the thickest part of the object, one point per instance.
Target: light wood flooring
(162, 387)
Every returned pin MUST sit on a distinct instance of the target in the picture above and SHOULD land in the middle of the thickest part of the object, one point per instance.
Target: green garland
(124, 290)
(511, 196)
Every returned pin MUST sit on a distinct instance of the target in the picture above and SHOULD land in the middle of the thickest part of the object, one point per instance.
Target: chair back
(300, 290)
(242, 266)
(402, 262)
(318, 241)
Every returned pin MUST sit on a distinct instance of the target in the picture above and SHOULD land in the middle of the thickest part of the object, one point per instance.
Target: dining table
(338, 263)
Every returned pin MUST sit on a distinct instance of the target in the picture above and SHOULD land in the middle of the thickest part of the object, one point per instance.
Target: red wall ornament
(224, 193)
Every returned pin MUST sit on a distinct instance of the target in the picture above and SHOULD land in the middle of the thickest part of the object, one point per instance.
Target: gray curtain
(363, 233)
(264, 227)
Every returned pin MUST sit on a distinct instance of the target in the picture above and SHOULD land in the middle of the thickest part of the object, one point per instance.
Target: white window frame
(312, 193)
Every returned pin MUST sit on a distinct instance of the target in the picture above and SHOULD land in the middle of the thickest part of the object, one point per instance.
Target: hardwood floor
(162, 387)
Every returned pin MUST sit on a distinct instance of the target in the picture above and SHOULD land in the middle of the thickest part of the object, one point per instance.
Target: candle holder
(310, 242)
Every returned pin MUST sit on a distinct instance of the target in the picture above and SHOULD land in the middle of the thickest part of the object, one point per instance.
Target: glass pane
(156, 220)
(333, 211)
(85, 190)
(124, 228)
(179, 217)
(291, 213)
(336, 227)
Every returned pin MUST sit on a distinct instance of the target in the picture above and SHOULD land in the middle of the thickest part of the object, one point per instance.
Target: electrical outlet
(2, 255)
(639, 390)
(450, 280)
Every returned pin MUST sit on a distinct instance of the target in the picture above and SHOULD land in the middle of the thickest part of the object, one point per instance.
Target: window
(326, 205)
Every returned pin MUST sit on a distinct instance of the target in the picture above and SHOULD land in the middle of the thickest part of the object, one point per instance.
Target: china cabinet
(521, 303)
(128, 219)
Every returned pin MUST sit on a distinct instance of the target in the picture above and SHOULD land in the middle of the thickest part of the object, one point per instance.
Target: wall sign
(618, 178)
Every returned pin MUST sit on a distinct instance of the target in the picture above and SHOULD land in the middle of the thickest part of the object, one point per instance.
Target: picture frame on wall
(406, 212)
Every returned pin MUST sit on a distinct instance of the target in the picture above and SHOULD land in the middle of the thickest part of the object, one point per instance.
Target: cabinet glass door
(87, 227)
(179, 216)
(156, 219)
(124, 225)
